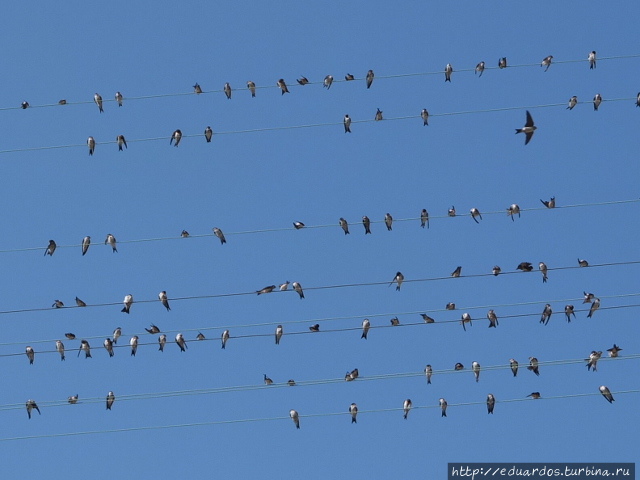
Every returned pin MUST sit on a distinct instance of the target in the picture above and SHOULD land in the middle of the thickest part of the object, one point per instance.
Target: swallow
(31, 405)
(514, 367)
(50, 248)
(162, 341)
(613, 351)
(121, 141)
(302, 80)
(365, 328)
(111, 240)
(424, 218)
(298, 288)
(224, 337)
(86, 241)
(443, 407)
(475, 368)
(528, 128)
(80, 303)
(606, 393)
(448, 70)
(284, 286)
(355, 373)
(399, 278)
(543, 269)
(344, 225)
(493, 319)
(427, 318)
(573, 101)
(546, 62)
(128, 301)
(388, 221)
(279, 332)
(328, 80)
(450, 306)
(597, 100)
(502, 63)
(496, 270)
(116, 335)
(588, 297)
(592, 60)
(593, 360)
(406, 407)
(200, 336)
(176, 136)
(162, 296)
(252, 88)
(24, 105)
(295, 417)
(395, 322)
(184, 234)
(370, 76)
(98, 99)
(118, 97)
(283, 86)
(568, 311)
(268, 289)
(298, 225)
(534, 395)
(551, 203)
(546, 314)
(348, 377)
(62, 102)
(91, 143)
(73, 399)
(347, 124)
(208, 134)
(452, 211)
(315, 328)
(291, 382)
(353, 410)
(60, 349)
(267, 380)
(378, 116)
(594, 306)
(218, 233)
(479, 68)
(227, 90)
(638, 100)
(525, 266)
(181, 342)
(491, 403)
(153, 330)
(428, 371)
(458, 366)
(31, 354)
(133, 343)
(367, 224)
(425, 117)
(86, 348)
(108, 346)
(197, 89)
(583, 263)
(348, 77)
(57, 304)
(456, 273)
(475, 213)
(533, 365)
(110, 399)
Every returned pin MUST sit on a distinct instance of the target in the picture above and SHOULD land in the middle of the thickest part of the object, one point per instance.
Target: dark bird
(24, 105)
(450, 306)
(295, 417)
(592, 60)
(592, 361)
(367, 224)
(344, 225)
(568, 311)
(448, 70)
(162, 296)
(86, 348)
(395, 322)
(458, 367)
(594, 306)
(315, 328)
(466, 318)
(597, 100)
(613, 351)
(533, 365)
(302, 80)
(491, 403)
(184, 234)
(279, 332)
(606, 393)
(283, 86)
(98, 99)
(86, 241)
(525, 267)
(348, 77)
(73, 399)
(493, 319)
(176, 137)
(452, 211)
(369, 78)
(551, 203)
(57, 304)
(406, 407)
(353, 410)
(573, 101)
(546, 314)
(108, 346)
(224, 337)
(378, 116)
(502, 63)
(583, 263)
(70, 336)
(31, 405)
(208, 134)
(200, 336)
(534, 395)
(425, 117)
(427, 318)
(328, 80)
(252, 88)
(119, 98)
(218, 233)
(267, 380)
(298, 289)
(513, 209)
(588, 297)
(268, 289)
(347, 124)
(153, 330)
(443, 407)
(514, 366)
(197, 89)
(546, 62)
(424, 218)
(31, 354)
(121, 142)
(399, 278)
(227, 90)
(528, 128)
(475, 213)
(110, 399)
(479, 68)
(496, 270)
(91, 143)
(298, 225)
(50, 248)
(181, 342)
(456, 273)
(388, 221)
(116, 335)
(365, 328)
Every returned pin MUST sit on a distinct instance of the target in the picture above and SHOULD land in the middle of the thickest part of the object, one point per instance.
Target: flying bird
(86, 241)
(224, 337)
(546, 314)
(133, 343)
(218, 233)
(502, 63)
(594, 306)
(388, 221)
(347, 124)
(267, 380)
(208, 134)
(592, 60)
(153, 329)
(116, 335)
(491, 403)
(176, 137)
(428, 371)
(533, 365)
(128, 301)
(98, 99)
(57, 304)
(525, 266)
(298, 225)
(60, 349)
(86, 348)
(493, 319)
(108, 346)
(496, 270)
(295, 417)
(283, 86)
(91, 143)
(110, 399)
(583, 263)
(456, 273)
(448, 70)
(369, 78)
(479, 68)
(399, 278)
(268, 289)
(365, 328)
(466, 318)
(197, 89)
(279, 332)
(119, 97)
(475, 368)
(546, 62)
(406, 407)
(551, 203)
(302, 80)
(443, 407)
(227, 90)
(613, 351)
(528, 128)
(514, 367)
(162, 341)
(475, 213)
(573, 101)
(353, 410)
(424, 218)
(111, 240)
(367, 224)
(568, 311)
(543, 269)
(425, 117)
(181, 342)
(593, 360)
(378, 116)
(606, 393)
(73, 399)
(298, 288)
(121, 141)
(597, 100)
(162, 296)
(344, 225)
(31, 405)
(328, 80)
(31, 354)
(252, 88)
(50, 248)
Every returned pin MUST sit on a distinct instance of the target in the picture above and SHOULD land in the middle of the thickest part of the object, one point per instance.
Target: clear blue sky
(266, 180)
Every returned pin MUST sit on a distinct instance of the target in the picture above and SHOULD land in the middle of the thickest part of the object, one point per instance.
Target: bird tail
(125, 310)
(444, 413)
(518, 130)
(353, 420)
(364, 335)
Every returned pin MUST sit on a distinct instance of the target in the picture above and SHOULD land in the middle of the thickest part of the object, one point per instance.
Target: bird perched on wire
(479, 68)
(252, 88)
(370, 76)
(162, 296)
(399, 278)
(546, 62)
(51, 248)
(551, 203)
(111, 240)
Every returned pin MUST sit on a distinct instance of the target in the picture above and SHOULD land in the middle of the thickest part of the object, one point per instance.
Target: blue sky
(249, 182)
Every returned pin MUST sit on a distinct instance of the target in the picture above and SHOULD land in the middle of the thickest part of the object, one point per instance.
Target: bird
(162, 296)
(134, 345)
(353, 410)
(315, 328)
(502, 63)
(588, 297)
(218, 233)
(24, 105)
(291, 383)
(268, 289)
(367, 224)
(31, 405)
(514, 366)
(267, 380)
(200, 336)
(593, 360)
(197, 89)
(493, 319)
(551, 203)
(399, 278)
(479, 68)
(227, 90)
(184, 234)
(110, 399)
(224, 337)
(443, 407)
(279, 332)
(583, 263)
(395, 322)
(295, 417)
(533, 365)
(534, 395)
(592, 60)
(424, 218)
(388, 221)
(176, 137)
(344, 225)
(456, 273)
(450, 306)
(613, 351)
(491, 403)
(546, 314)
(298, 288)
(60, 349)
(348, 77)
(496, 270)
(475, 368)
(528, 128)
(475, 213)
(573, 101)
(448, 70)
(162, 341)
(369, 78)
(31, 354)
(298, 225)
(302, 80)
(73, 399)
(427, 318)
(98, 99)
(118, 98)
(594, 306)
(252, 88)
(284, 286)
(428, 371)
(283, 86)
(365, 328)
(347, 124)
(458, 366)
(116, 335)
(406, 407)
(568, 311)
(452, 211)
(153, 329)
(181, 342)
(525, 266)
(328, 80)
(86, 348)
(638, 100)
(57, 304)
(128, 301)
(111, 240)
(543, 269)
(108, 346)
(208, 134)
(50, 248)
(546, 62)
(606, 393)
(378, 116)
(355, 373)
(466, 317)
(91, 143)
(86, 241)
(121, 141)
(425, 117)
(597, 100)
